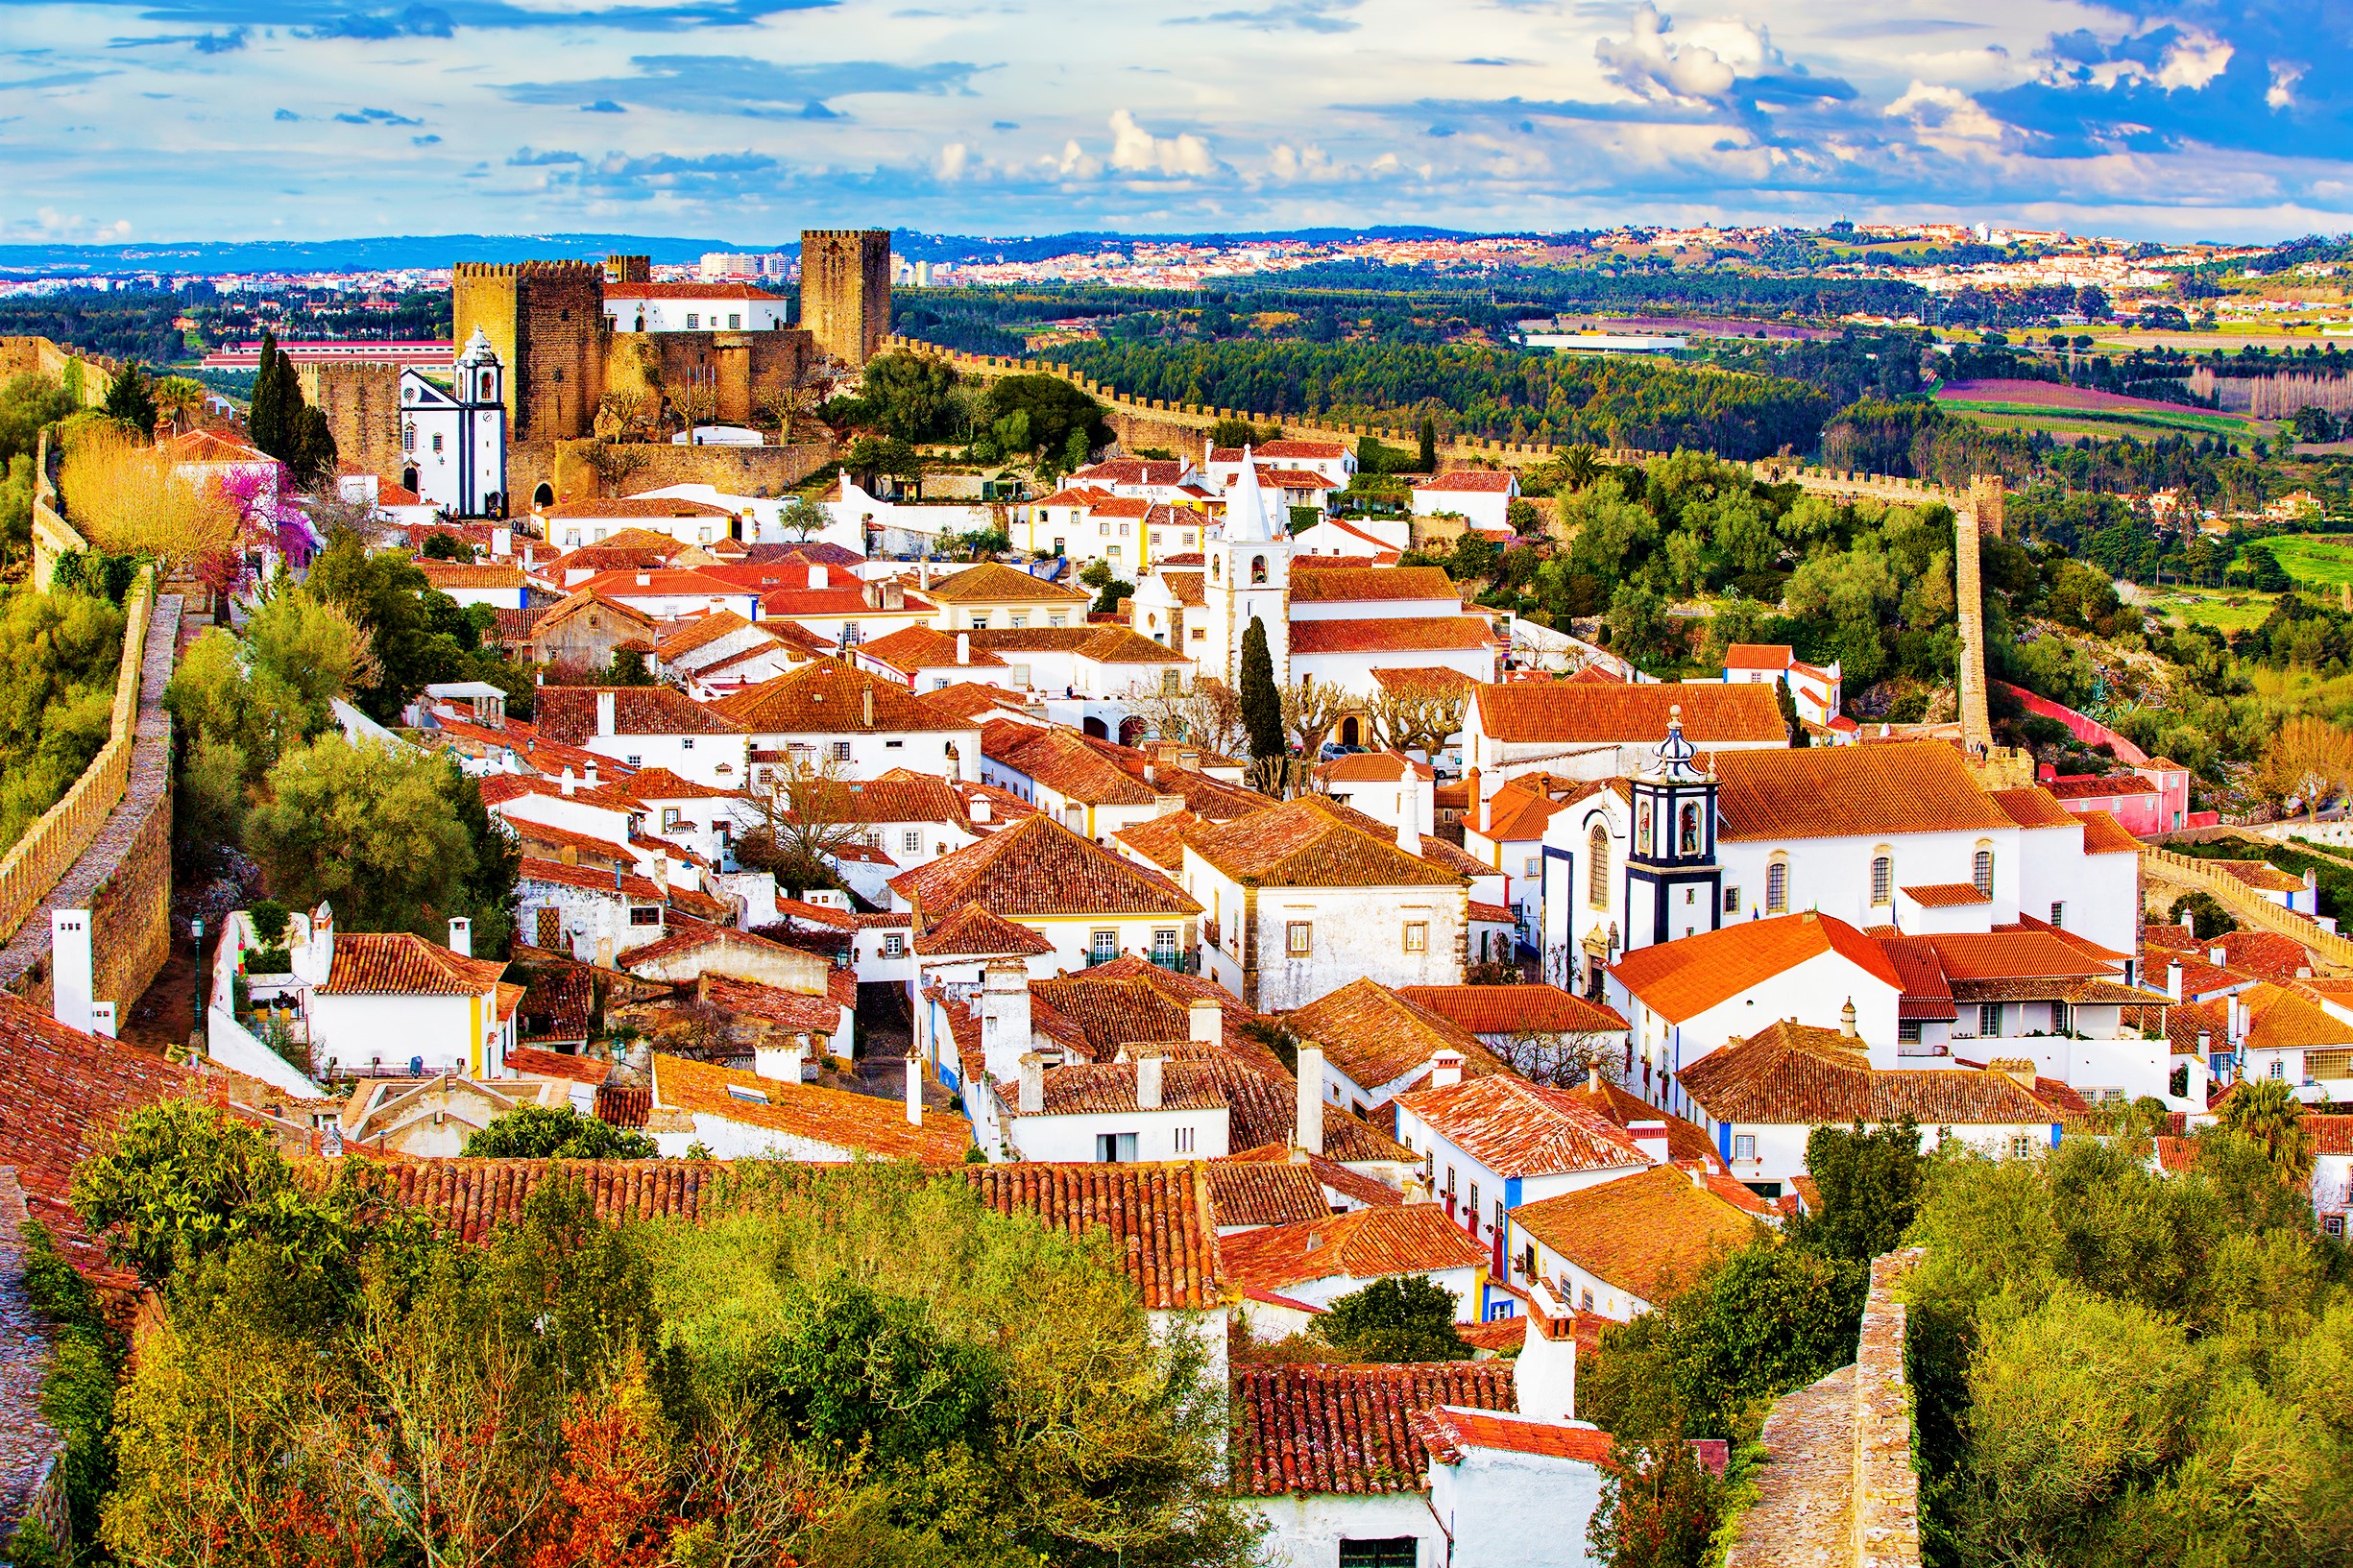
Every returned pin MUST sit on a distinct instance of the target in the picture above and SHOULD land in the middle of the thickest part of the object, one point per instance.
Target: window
(894, 944)
(1200, 632)
(687, 743)
(1156, 537)
(1258, 568)
(980, 624)
(894, 745)
(2331, 1225)
(1642, 844)
(2279, 1068)
(1188, 539)
(2022, 1146)
(1584, 1299)
(1123, 530)
(645, 914)
(1989, 1018)
(1300, 938)
(1103, 528)
(1907, 1031)
(1531, 866)
(1057, 617)
(1061, 546)
(1598, 867)
(1018, 618)
(1185, 1139)
(437, 440)
(1499, 1216)
(1390, 1551)
(408, 438)
(1115, 1148)
(1172, 681)
(1744, 1146)
(1732, 901)
(940, 683)
(841, 751)
(1981, 871)
(1417, 936)
(912, 840)
(1777, 889)
(669, 818)
(1688, 832)
(1470, 1207)
(633, 760)
(1882, 880)
(735, 321)
(1164, 942)
(693, 321)
(851, 636)
(1449, 1184)
(1103, 944)
(2059, 913)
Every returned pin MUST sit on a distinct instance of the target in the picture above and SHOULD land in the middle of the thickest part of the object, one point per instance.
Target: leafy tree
(2266, 1112)
(556, 1132)
(2209, 918)
(1262, 705)
(1406, 1317)
(1785, 700)
(28, 403)
(1025, 416)
(131, 401)
(386, 595)
(906, 396)
(1869, 1180)
(1659, 1507)
(802, 517)
(58, 657)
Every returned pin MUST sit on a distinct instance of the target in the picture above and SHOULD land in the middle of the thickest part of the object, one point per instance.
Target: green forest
(854, 1367)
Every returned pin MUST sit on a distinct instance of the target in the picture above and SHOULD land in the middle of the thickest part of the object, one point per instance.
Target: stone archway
(1132, 730)
(543, 495)
(408, 480)
(1091, 725)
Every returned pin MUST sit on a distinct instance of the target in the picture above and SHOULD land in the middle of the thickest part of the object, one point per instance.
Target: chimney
(1409, 812)
(1149, 1060)
(569, 855)
(2217, 956)
(1592, 1078)
(1151, 770)
(1005, 1016)
(461, 935)
(604, 713)
(1446, 1069)
(1032, 1083)
(2173, 979)
(2188, 923)
(914, 1091)
(964, 647)
(1308, 1132)
(866, 706)
(645, 579)
(817, 577)
(1699, 1178)
(1845, 1019)
(2205, 1044)
(588, 771)
(73, 970)
(1204, 1021)
(1650, 1136)
(979, 810)
(781, 1062)
(568, 784)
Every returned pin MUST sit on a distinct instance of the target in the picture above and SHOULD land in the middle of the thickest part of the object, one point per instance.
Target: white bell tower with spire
(1250, 574)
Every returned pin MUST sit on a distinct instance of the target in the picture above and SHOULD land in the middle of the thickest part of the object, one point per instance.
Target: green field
(2112, 422)
(2234, 610)
(2319, 560)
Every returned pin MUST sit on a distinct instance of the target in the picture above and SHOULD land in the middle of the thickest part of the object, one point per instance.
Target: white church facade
(453, 438)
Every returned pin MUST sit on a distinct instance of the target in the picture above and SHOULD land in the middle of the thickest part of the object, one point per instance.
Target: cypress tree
(1429, 444)
(1262, 705)
(131, 399)
(261, 420)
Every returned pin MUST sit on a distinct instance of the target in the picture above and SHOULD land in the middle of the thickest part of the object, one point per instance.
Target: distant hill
(207, 257)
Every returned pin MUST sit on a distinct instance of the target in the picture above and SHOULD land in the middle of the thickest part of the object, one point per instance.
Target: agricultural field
(2317, 560)
(2226, 611)
(2081, 411)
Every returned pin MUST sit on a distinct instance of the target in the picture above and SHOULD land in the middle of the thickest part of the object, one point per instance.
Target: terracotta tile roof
(911, 648)
(1491, 914)
(1946, 895)
(2258, 876)
(470, 1199)
(968, 700)
(659, 583)
(1103, 644)
(1438, 677)
(1683, 978)
(1792, 1074)
(854, 1123)
(2280, 1019)
(1925, 992)
(2077, 786)
(2265, 953)
(398, 964)
(1304, 843)
(971, 931)
(1313, 584)
(558, 1001)
(1185, 587)
(595, 507)
(1375, 1036)
(1374, 767)
(1161, 839)
(1508, 1009)
(1449, 1434)
(1263, 1111)
(1403, 634)
(660, 784)
(687, 291)
(500, 787)
(2033, 807)
(1470, 481)
(1516, 815)
(700, 632)
(1347, 1430)
(993, 583)
(1448, 856)
(585, 598)
(1038, 867)
(1131, 471)
(1339, 1178)
(1758, 656)
(566, 715)
(1646, 1233)
(1063, 762)
(1517, 1128)
(2104, 834)
(1563, 712)
(448, 574)
(591, 879)
(1132, 999)
(1162, 1231)
(1834, 791)
(1973, 956)
(1363, 1244)
(548, 842)
(2331, 1133)
(793, 1011)
(826, 696)
(1263, 1193)
(530, 1061)
(1109, 1087)
(1686, 1142)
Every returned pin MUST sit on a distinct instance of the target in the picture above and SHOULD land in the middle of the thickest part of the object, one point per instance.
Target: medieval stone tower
(845, 290)
(546, 321)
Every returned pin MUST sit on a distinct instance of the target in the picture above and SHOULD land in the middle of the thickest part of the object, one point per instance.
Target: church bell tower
(1674, 887)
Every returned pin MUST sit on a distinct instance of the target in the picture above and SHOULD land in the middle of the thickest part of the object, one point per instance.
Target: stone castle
(546, 321)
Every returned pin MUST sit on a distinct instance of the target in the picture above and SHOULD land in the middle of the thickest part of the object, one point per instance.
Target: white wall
(1516, 1511)
(1072, 1138)
(715, 759)
(875, 751)
(1359, 933)
(354, 1031)
(1306, 1531)
(230, 1043)
(1813, 993)
(1352, 672)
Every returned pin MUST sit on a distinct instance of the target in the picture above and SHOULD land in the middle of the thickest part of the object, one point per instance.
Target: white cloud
(2285, 76)
(952, 162)
(1309, 162)
(1649, 65)
(2194, 60)
(1135, 149)
(1945, 116)
(1075, 163)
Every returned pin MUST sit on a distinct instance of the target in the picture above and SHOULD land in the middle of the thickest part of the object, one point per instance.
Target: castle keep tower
(544, 321)
(845, 291)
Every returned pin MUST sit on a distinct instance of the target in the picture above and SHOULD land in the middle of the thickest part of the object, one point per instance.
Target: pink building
(2154, 798)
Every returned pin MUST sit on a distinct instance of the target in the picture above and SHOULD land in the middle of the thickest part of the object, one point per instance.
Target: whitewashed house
(827, 715)
(646, 726)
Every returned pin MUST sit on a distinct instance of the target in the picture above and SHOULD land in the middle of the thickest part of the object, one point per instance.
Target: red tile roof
(566, 715)
(2010, 954)
(1792, 1074)
(826, 696)
(1683, 978)
(1313, 584)
(2104, 834)
(970, 931)
(1925, 992)
(2077, 787)
(1470, 481)
(1403, 634)
(1509, 1009)
(1354, 1186)
(1038, 867)
(911, 648)
(993, 583)
(471, 1199)
(1566, 713)
(1161, 1227)
(555, 1064)
(1775, 655)
(687, 291)
(1263, 1193)
(1304, 843)
(1376, 1036)
(1449, 1434)
(1364, 1244)
(1946, 895)
(1347, 1430)
(1517, 1128)
(854, 1123)
(1645, 1233)
(1835, 791)
(398, 964)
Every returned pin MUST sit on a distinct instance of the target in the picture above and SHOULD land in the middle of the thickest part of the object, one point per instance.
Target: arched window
(1883, 878)
(408, 438)
(1687, 832)
(1258, 568)
(1214, 564)
(1777, 889)
(1598, 867)
(489, 384)
(1981, 871)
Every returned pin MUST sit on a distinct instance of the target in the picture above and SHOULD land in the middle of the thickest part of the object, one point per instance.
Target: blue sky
(749, 119)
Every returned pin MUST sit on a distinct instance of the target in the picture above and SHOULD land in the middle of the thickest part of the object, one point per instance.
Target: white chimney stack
(461, 935)
(2173, 979)
(914, 1091)
(964, 647)
(817, 577)
(73, 972)
(1150, 1061)
(781, 1062)
(604, 713)
(1308, 1134)
(568, 784)
(1650, 1136)
(2217, 956)
(1204, 1021)
(1032, 1083)
(1446, 1069)
(1409, 812)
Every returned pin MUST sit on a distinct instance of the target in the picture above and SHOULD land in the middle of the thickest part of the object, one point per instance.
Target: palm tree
(2266, 1112)
(179, 399)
